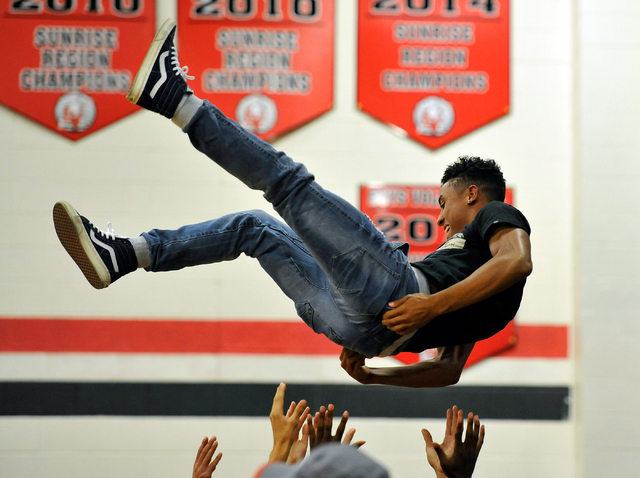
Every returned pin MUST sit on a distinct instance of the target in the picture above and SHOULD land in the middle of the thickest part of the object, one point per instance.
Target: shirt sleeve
(499, 213)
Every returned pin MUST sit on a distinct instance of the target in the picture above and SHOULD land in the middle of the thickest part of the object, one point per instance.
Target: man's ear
(472, 194)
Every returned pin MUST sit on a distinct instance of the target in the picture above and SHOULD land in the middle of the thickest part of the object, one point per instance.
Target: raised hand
(321, 425)
(285, 426)
(454, 458)
(204, 466)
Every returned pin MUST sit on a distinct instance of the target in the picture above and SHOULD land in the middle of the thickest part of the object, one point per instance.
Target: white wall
(142, 173)
(608, 171)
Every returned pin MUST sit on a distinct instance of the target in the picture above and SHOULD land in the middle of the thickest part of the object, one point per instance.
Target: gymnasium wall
(607, 170)
(142, 173)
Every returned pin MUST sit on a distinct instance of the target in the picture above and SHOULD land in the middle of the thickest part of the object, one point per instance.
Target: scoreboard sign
(410, 214)
(436, 69)
(67, 64)
(268, 64)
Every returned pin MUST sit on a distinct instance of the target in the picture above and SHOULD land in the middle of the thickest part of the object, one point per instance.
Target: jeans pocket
(363, 281)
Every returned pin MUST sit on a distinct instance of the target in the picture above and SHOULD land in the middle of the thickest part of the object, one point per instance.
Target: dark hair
(484, 173)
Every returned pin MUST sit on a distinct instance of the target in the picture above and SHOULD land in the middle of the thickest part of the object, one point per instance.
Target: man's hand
(353, 363)
(411, 312)
(321, 425)
(204, 466)
(285, 427)
(442, 371)
(454, 458)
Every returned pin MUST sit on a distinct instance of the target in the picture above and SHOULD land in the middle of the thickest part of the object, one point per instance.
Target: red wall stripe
(543, 341)
(221, 337)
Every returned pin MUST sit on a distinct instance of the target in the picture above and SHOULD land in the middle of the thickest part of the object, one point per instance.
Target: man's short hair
(472, 170)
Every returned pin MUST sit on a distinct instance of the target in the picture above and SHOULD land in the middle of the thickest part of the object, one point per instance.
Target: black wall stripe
(253, 399)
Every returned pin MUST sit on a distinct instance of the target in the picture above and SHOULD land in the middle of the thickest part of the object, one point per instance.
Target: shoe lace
(109, 233)
(180, 70)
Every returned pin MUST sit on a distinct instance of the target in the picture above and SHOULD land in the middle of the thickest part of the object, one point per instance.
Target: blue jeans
(329, 258)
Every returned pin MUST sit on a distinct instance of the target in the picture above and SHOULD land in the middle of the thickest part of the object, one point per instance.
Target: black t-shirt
(455, 260)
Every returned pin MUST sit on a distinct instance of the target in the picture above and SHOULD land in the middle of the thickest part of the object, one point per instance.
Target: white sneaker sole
(76, 241)
(137, 87)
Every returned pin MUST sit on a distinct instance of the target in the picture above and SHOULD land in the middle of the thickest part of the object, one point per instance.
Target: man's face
(454, 209)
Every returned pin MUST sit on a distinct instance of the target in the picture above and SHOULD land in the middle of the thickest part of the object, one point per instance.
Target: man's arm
(511, 263)
(445, 369)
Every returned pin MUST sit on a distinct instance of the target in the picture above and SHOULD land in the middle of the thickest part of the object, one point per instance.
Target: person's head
(332, 460)
(467, 185)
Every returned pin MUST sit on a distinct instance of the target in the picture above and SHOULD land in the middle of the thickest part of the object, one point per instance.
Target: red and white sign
(268, 64)
(436, 69)
(67, 64)
(410, 214)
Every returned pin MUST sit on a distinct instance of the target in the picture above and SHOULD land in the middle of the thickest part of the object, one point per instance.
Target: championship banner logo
(410, 214)
(436, 69)
(268, 64)
(67, 64)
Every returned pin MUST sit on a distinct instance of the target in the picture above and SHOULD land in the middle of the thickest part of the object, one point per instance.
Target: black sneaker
(161, 82)
(103, 257)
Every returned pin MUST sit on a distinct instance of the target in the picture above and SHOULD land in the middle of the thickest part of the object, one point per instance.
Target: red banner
(410, 214)
(268, 64)
(68, 64)
(436, 69)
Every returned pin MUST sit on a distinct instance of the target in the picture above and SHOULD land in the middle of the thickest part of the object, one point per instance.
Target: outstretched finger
(456, 425)
(319, 423)
(476, 428)
(480, 439)
(312, 432)
(199, 455)
(428, 439)
(328, 422)
(342, 425)
(449, 430)
(469, 436)
(302, 420)
(300, 410)
(278, 399)
(212, 466)
(348, 436)
(292, 407)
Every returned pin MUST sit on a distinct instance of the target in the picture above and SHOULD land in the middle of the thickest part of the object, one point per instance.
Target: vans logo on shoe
(112, 252)
(163, 75)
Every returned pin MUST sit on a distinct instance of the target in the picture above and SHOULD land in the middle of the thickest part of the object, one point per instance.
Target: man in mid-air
(346, 279)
